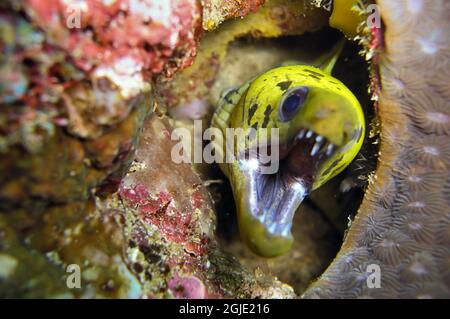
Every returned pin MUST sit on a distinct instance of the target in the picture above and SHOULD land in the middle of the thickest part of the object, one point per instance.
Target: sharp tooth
(261, 219)
(301, 134)
(315, 149)
(317, 146)
(330, 149)
(273, 228)
(309, 134)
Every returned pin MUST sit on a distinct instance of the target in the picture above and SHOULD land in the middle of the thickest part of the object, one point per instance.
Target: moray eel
(320, 127)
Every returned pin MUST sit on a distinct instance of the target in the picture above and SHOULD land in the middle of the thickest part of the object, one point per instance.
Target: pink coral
(187, 287)
(150, 32)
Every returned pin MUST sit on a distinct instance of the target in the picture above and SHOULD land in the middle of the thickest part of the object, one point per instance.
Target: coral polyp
(392, 246)
(418, 227)
(417, 178)
(430, 151)
(420, 204)
(420, 267)
(374, 225)
(400, 83)
(386, 191)
(432, 116)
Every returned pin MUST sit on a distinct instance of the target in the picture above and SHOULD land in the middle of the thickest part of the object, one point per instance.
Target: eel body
(292, 129)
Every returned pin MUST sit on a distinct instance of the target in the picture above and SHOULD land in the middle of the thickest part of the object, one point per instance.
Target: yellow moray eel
(321, 128)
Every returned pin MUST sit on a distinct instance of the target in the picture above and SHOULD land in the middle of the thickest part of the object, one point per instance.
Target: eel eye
(292, 102)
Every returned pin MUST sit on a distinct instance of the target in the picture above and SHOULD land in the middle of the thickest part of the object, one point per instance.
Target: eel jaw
(267, 206)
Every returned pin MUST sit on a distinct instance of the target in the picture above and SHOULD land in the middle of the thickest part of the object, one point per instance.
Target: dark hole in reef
(322, 219)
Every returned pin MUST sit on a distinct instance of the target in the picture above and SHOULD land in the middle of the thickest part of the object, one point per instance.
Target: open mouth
(274, 198)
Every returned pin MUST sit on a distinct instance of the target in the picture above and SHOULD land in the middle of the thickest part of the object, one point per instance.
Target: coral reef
(74, 101)
(170, 228)
(75, 90)
(217, 11)
(191, 89)
(39, 247)
(413, 164)
(77, 79)
(86, 173)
